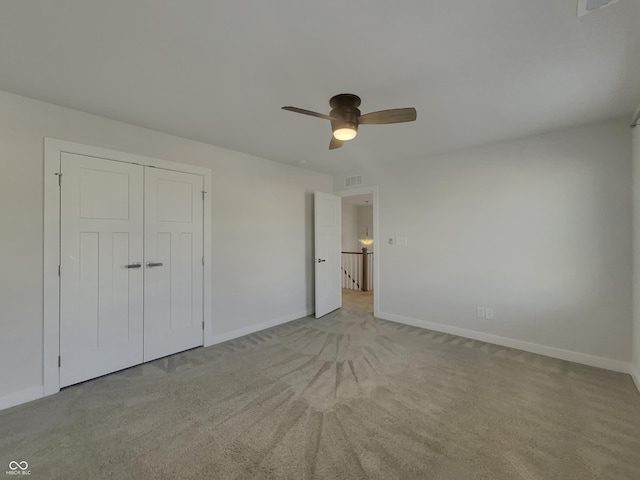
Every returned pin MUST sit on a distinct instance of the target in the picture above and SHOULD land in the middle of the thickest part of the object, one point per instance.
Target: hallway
(357, 302)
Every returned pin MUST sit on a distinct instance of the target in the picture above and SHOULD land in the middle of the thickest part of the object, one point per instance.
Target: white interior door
(173, 318)
(101, 281)
(327, 221)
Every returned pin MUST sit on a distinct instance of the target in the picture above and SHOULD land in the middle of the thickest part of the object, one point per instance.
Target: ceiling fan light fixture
(345, 133)
(345, 117)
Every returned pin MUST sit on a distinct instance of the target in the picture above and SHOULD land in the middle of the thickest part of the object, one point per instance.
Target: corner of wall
(635, 375)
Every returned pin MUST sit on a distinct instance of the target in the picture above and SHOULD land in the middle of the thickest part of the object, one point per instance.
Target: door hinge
(203, 261)
(203, 325)
(59, 361)
(59, 179)
(59, 270)
(203, 192)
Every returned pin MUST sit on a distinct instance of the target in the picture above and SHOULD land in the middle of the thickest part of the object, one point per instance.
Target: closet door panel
(101, 295)
(173, 262)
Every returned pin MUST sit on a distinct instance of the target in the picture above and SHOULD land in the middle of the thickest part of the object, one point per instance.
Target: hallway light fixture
(366, 241)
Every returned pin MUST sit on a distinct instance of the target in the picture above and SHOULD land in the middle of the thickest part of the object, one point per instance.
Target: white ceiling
(219, 71)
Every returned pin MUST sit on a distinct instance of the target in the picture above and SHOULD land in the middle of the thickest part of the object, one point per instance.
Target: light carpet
(344, 397)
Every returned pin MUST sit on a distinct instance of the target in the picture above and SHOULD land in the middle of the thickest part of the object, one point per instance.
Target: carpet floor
(344, 397)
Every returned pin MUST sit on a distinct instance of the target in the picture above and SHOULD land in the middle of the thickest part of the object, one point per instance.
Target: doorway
(359, 262)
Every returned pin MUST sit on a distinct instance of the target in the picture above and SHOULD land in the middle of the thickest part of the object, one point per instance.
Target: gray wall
(262, 228)
(537, 228)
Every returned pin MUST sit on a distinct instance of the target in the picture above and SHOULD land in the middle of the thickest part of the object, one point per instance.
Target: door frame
(372, 189)
(53, 149)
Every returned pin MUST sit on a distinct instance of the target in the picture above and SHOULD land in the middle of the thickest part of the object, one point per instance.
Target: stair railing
(357, 270)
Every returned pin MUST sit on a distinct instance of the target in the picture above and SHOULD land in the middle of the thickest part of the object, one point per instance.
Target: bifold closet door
(101, 255)
(173, 262)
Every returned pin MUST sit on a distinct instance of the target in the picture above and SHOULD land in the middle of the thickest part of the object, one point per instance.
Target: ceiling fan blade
(335, 143)
(307, 112)
(396, 115)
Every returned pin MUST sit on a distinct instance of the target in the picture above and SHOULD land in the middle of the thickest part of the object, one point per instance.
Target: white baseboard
(241, 332)
(635, 375)
(23, 396)
(571, 356)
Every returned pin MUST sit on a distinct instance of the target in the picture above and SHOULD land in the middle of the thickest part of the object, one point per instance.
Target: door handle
(320, 260)
(133, 265)
(154, 264)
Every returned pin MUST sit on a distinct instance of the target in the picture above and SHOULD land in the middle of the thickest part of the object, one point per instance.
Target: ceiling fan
(345, 117)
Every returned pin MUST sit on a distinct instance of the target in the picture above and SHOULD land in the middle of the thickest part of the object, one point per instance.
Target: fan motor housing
(345, 100)
(348, 119)
(345, 107)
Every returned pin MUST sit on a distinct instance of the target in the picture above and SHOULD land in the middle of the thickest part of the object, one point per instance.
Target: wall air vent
(354, 181)
(589, 6)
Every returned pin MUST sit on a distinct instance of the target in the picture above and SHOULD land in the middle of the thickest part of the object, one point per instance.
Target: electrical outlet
(488, 313)
(480, 312)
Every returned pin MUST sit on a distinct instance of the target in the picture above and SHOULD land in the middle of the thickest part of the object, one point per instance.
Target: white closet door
(101, 286)
(173, 262)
